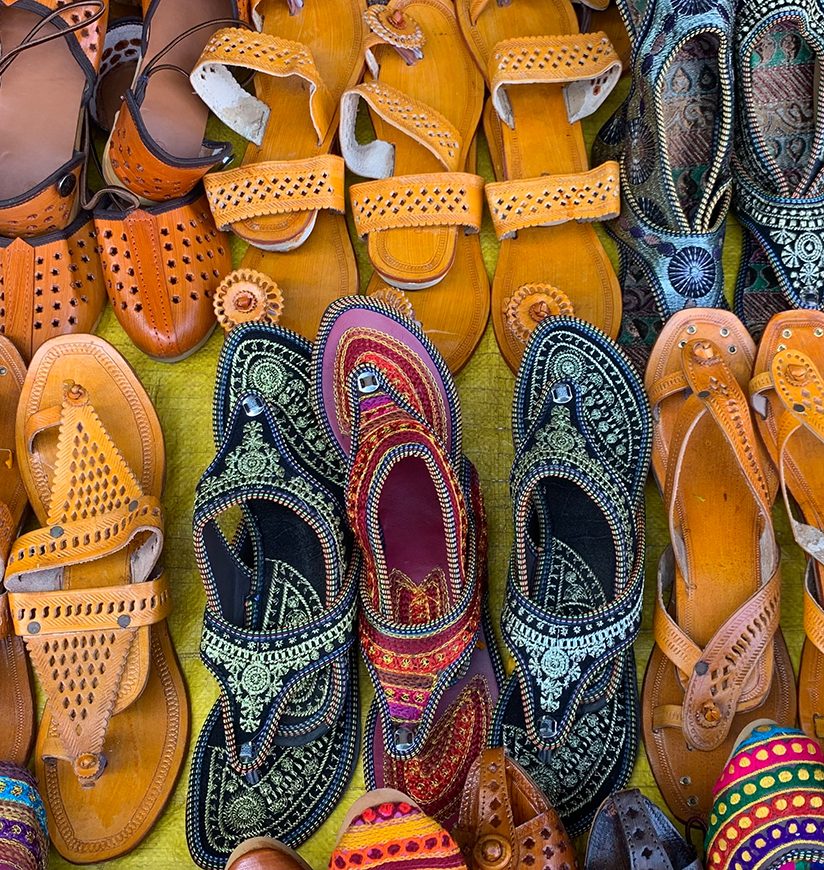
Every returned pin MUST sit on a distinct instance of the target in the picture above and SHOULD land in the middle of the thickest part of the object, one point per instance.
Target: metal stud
(252, 406)
(692, 329)
(548, 728)
(682, 343)
(732, 349)
(2, 371)
(367, 383)
(404, 738)
(818, 332)
(33, 628)
(786, 333)
(781, 347)
(685, 780)
(724, 331)
(561, 394)
(692, 801)
(124, 621)
(56, 531)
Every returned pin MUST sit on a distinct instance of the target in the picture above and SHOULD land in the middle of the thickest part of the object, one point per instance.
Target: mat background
(182, 394)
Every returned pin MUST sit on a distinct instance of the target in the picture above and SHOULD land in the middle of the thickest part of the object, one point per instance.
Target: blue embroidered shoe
(673, 139)
(582, 433)
(779, 148)
(279, 747)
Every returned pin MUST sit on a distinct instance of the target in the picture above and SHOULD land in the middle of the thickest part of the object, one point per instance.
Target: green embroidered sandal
(280, 745)
(582, 433)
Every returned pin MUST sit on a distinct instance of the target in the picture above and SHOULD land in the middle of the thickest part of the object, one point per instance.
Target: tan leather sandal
(157, 148)
(287, 197)
(506, 821)
(544, 76)
(787, 394)
(89, 598)
(16, 701)
(421, 215)
(720, 660)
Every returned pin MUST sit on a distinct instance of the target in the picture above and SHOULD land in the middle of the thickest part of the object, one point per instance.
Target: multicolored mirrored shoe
(779, 147)
(673, 139)
(279, 747)
(415, 508)
(582, 431)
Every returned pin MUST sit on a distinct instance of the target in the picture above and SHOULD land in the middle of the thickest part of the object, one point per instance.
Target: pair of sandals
(720, 660)
(339, 487)
(85, 597)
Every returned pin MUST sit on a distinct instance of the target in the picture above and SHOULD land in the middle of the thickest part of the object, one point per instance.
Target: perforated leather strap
(102, 608)
(813, 612)
(554, 199)
(717, 675)
(276, 187)
(449, 199)
(414, 119)
(267, 55)
(586, 63)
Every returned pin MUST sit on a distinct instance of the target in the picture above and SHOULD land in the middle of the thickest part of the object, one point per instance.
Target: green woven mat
(182, 394)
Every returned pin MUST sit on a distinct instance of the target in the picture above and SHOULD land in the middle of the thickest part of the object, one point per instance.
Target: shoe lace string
(31, 39)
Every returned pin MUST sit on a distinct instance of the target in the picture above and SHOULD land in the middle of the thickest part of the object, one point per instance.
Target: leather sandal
(544, 76)
(786, 393)
(157, 148)
(87, 590)
(391, 407)
(264, 853)
(719, 659)
(279, 747)
(41, 188)
(631, 833)
(421, 214)
(568, 714)
(118, 66)
(286, 198)
(506, 821)
(778, 191)
(16, 698)
(672, 136)
(163, 264)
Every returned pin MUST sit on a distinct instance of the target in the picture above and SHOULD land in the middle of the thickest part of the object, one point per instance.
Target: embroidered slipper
(385, 829)
(581, 428)
(787, 393)
(779, 145)
(24, 839)
(544, 76)
(631, 833)
(673, 139)
(506, 820)
(421, 215)
(16, 697)
(87, 590)
(287, 198)
(398, 424)
(719, 659)
(280, 746)
(768, 810)
(435, 777)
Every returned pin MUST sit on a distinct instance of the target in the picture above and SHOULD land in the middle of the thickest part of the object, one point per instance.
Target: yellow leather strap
(667, 716)
(813, 612)
(266, 55)
(276, 187)
(448, 199)
(585, 63)
(102, 608)
(554, 199)
(667, 386)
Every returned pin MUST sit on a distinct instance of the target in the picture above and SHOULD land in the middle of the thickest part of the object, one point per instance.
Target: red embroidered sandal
(286, 198)
(391, 405)
(421, 215)
(90, 599)
(16, 699)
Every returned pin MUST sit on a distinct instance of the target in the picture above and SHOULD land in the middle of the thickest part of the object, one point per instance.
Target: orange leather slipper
(421, 215)
(287, 197)
(16, 702)
(89, 598)
(787, 394)
(544, 76)
(719, 659)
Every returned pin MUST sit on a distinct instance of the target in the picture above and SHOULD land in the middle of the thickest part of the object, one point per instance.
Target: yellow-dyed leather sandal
(287, 197)
(544, 76)
(421, 214)
(89, 597)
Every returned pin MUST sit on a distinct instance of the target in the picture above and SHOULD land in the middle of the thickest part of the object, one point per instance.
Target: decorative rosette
(394, 26)
(395, 299)
(246, 296)
(531, 304)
